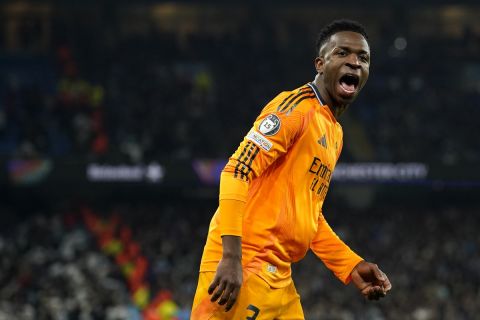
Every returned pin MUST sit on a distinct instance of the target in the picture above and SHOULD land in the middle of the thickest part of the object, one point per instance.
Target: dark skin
(228, 278)
(344, 53)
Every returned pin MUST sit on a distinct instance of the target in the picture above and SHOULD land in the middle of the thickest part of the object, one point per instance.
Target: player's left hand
(370, 280)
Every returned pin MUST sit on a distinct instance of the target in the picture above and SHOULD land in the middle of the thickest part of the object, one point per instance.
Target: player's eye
(363, 58)
(342, 53)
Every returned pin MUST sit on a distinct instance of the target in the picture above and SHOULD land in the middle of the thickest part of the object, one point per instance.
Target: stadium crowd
(99, 94)
(147, 96)
(428, 253)
(52, 269)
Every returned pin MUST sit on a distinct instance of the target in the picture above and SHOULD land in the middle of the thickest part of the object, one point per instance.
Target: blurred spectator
(95, 92)
(160, 95)
(51, 271)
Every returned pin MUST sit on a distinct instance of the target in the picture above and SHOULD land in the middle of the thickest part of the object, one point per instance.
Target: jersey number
(255, 310)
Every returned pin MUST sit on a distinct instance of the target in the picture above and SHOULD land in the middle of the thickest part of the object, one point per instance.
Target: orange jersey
(284, 165)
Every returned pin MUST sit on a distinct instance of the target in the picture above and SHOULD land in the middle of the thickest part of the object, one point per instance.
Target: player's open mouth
(349, 83)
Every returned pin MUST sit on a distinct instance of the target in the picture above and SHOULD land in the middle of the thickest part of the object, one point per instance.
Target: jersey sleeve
(272, 134)
(334, 253)
(274, 131)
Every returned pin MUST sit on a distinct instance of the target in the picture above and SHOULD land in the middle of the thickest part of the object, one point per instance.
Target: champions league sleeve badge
(270, 125)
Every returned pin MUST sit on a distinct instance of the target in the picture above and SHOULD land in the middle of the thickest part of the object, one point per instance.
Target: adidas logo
(323, 141)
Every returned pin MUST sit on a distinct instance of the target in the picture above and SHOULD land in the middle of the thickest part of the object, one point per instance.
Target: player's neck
(336, 109)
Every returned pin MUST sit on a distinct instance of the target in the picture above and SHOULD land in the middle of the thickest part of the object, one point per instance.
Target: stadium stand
(92, 84)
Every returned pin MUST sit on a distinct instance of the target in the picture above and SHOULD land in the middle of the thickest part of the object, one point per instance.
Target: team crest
(270, 125)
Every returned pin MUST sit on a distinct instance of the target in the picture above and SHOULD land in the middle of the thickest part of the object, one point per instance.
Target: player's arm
(228, 278)
(346, 264)
(270, 137)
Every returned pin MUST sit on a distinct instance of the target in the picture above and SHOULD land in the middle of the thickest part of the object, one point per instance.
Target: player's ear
(319, 64)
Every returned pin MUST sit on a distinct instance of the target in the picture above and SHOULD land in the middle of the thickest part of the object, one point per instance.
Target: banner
(206, 173)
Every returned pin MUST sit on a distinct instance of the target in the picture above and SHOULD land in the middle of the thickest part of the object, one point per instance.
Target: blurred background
(116, 118)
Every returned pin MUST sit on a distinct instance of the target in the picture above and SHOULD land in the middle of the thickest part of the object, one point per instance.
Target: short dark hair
(339, 26)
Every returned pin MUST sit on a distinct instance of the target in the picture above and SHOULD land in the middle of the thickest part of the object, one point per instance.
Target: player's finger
(213, 285)
(365, 291)
(375, 293)
(386, 284)
(377, 272)
(380, 292)
(226, 294)
(233, 298)
(218, 292)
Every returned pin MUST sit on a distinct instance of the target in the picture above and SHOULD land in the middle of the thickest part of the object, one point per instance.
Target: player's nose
(353, 62)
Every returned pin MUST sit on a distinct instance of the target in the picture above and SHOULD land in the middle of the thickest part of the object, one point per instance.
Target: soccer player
(272, 191)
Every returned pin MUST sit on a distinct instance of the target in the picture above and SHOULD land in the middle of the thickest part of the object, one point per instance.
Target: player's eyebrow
(361, 51)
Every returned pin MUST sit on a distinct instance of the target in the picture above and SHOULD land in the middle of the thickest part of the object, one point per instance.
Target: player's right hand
(227, 282)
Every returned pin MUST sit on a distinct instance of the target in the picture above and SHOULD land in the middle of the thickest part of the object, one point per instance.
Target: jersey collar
(319, 97)
(317, 93)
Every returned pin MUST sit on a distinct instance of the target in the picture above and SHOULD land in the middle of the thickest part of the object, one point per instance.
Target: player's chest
(321, 142)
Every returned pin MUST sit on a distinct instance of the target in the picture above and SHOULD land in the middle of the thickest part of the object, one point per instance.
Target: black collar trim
(317, 93)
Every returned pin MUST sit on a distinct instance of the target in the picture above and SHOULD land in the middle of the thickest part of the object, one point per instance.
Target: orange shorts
(256, 301)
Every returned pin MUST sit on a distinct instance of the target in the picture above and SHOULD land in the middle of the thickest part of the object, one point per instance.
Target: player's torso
(284, 202)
